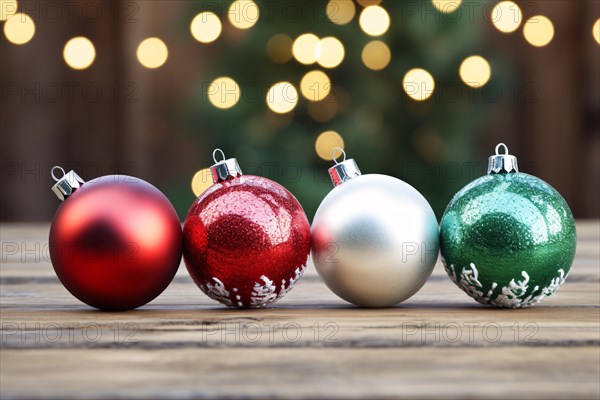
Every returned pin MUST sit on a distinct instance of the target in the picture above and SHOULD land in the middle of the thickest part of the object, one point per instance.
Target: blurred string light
(538, 31)
(201, 181)
(596, 31)
(79, 53)
(326, 142)
(446, 6)
(7, 8)
(340, 12)
(279, 48)
(506, 16)
(374, 20)
(282, 97)
(304, 48)
(330, 52)
(224, 92)
(315, 85)
(418, 84)
(367, 3)
(206, 27)
(475, 71)
(152, 53)
(243, 14)
(19, 28)
(376, 55)
(325, 110)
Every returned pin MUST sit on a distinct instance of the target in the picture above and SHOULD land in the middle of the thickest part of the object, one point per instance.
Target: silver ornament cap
(225, 169)
(342, 171)
(502, 163)
(66, 184)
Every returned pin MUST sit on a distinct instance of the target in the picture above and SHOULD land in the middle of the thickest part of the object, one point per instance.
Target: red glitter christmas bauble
(115, 242)
(246, 241)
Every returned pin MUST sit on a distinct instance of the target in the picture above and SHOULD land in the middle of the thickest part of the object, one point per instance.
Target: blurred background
(421, 90)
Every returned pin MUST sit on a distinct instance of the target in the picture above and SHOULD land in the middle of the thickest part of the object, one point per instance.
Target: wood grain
(439, 343)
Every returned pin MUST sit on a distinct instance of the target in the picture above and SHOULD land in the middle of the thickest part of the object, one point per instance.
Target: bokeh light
(224, 92)
(7, 8)
(315, 85)
(368, 118)
(418, 84)
(374, 20)
(243, 14)
(277, 121)
(206, 27)
(19, 28)
(279, 48)
(429, 144)
(596, 31)
(475, 71)
(304, 48)
(152, 52)
(376, 55)
(326, 142)
(343, 98)
(282, 97)
(506, 16)
(538, 31)
(325, 110)
(446, 6)
(367, 3)
(330, 52)
(340, 12)
(79, 53)
(201, 181)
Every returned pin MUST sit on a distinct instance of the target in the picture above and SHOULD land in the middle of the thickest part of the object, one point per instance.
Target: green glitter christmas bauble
(508, 239)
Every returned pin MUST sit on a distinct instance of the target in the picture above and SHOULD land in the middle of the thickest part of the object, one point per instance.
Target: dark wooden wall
(131, 127)
(114, 117)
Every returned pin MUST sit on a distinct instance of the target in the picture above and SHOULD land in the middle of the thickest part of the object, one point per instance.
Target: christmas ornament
(375, 238)
(246, 238)
(508, 238)
(115, 242)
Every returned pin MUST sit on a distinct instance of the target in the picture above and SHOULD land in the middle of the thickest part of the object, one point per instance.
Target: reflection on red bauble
(246, 241)
(116, 242)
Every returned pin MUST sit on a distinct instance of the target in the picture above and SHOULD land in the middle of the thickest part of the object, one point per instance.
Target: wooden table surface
(440, 343)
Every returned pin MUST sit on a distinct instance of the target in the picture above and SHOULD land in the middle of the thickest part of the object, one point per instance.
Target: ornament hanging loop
(57, 167)
(227, 168)
(334, 158)
(66, 184)
(215, 152)
(502, 163)
(498, 146)
(344, 170)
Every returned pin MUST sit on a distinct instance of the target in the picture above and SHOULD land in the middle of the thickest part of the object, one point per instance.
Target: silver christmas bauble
(375, 238)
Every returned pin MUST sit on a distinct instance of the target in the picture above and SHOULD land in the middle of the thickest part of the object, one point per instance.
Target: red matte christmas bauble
(246, 241)
(115, 242)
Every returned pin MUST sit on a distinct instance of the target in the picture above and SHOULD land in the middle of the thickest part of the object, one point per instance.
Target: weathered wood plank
(539, 373)
(439, 343)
